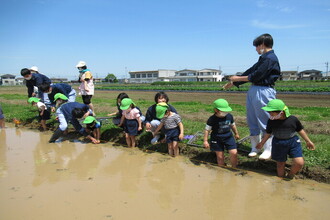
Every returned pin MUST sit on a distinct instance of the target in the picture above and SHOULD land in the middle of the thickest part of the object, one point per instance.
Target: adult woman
(262, 75)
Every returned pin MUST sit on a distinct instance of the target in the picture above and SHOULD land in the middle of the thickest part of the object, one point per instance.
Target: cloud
(261, 24)
(281, 8)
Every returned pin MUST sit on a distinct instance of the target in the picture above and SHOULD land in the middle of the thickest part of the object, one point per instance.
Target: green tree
(111, 78)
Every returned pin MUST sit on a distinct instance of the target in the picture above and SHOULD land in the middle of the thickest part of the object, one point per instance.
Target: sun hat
(81, 64)
(126, 103)
(89, 119)
(222, 105)
(161, 109)
(34, 68)
(60, 96)
(276, 105)
(33, 99)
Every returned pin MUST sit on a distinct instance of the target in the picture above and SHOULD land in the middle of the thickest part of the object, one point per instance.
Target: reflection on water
(72, 180)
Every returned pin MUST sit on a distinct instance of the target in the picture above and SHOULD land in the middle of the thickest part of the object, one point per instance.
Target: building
(150, 76)
(310, 75)
(59, 80)
(289, 75)
(210, 75)
(8, 80)
(185, 75)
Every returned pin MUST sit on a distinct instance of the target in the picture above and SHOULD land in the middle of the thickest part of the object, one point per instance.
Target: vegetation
(195, 108)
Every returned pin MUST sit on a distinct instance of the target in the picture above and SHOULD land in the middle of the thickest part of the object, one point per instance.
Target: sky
(118, 36)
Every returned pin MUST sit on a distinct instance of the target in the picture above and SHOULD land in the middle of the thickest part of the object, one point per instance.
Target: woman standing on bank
(263, 76)
(86, 88)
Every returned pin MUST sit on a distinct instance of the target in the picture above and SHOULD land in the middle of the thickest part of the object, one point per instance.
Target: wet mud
(75, 180)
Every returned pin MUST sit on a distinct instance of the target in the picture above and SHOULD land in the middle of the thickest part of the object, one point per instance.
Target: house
(310, 75)
(8, 80)
(289, 75)
(150, 76)
(185, 75)
(20, 81)
(59, 80)
(210, 75)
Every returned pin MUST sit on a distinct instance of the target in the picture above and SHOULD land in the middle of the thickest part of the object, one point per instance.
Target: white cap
(81, 64)
(34, 68)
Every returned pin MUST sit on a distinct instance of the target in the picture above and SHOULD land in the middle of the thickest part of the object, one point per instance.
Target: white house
(150, 76)
(210, 75)
(8, 80)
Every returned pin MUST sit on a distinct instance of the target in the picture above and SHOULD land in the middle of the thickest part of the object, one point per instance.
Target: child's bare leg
(2, 123)
(91, 107)
(220, 158)
(280, 169)
(43, 124)
(233, 157)
(175, 146)
(298, 163)
(128, 139)
(133, 142)
(170, 149)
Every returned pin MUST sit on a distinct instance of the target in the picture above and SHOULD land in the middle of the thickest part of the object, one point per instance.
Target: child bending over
(44, 114)
(93, 128)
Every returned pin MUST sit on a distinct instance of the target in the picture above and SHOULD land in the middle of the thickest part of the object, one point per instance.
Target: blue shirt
(36, 80)
(59, 88)
(265, 72)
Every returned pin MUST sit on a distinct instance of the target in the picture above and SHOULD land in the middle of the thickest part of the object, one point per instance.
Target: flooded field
(73, 180)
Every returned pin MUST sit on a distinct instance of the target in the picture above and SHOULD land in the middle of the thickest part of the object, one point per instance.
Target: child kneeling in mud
(220, 125)
(173, 127)
(284, 127)
(93, 128)
(44, 113)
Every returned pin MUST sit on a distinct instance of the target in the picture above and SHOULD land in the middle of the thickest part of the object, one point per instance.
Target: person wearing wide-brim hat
(93, 128)
(69, 112)
(131, 120)
(173, 125)
(284, 127)
(220, 125)
(86, 88)
(44, 112)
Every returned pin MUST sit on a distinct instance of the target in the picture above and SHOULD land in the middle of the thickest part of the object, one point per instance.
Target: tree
(111, 78)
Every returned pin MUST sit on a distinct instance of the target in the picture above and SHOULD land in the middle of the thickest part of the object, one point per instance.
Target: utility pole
(327, 65)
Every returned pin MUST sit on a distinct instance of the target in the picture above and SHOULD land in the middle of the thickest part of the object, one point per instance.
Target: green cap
(222, 105)
(126, 103)
(161, 109)
(33, 99)
(60, 96)
(89, 119)
(277, 105)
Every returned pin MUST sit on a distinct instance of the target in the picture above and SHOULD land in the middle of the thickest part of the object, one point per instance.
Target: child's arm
(158, 128)
(234, 129)
(206, 137)
(42, 110)
(309, 143)
(140, 123)
(121, 120)
(181, 131)
(263, 141)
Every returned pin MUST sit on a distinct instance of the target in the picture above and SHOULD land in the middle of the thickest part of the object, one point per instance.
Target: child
(152, 121)
(2, 119)
(93, 129)
(116, 120)
(131, 120)
(44, 114)
(86, 88)
(220, 126)
(173, 127)
(285, 142)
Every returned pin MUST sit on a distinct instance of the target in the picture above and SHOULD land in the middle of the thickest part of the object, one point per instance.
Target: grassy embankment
(195, 108)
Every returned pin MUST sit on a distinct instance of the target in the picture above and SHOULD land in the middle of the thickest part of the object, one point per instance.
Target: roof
(8, 76)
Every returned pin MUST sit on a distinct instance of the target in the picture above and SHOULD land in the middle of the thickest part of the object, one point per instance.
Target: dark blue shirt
(59, 88)
(36, 80)
(220, 126)
(265, 72)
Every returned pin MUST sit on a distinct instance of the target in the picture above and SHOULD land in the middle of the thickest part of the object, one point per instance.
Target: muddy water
(72, 180)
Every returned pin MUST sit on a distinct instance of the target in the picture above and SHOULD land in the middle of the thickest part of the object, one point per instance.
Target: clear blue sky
(117, 35)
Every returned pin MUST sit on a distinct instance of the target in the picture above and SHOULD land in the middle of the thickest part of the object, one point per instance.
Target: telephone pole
(327, 65)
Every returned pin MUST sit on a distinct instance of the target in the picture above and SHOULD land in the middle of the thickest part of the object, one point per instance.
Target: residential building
(150, 76)
(210, 75)
(289, 75)
(8, 80)
(310, 75)
(185, 75)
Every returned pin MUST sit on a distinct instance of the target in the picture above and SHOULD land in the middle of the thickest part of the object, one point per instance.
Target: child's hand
(228, 85)
(41, 113)
(53, 109)
(148, 126)
(119, 125)
(206, 144)
(181, 136)
(236, 136)
(310, 145)
(139, 128)
(259, 145)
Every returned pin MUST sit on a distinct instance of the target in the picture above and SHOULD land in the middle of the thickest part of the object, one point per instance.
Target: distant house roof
(8, 76)
(311, 71)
